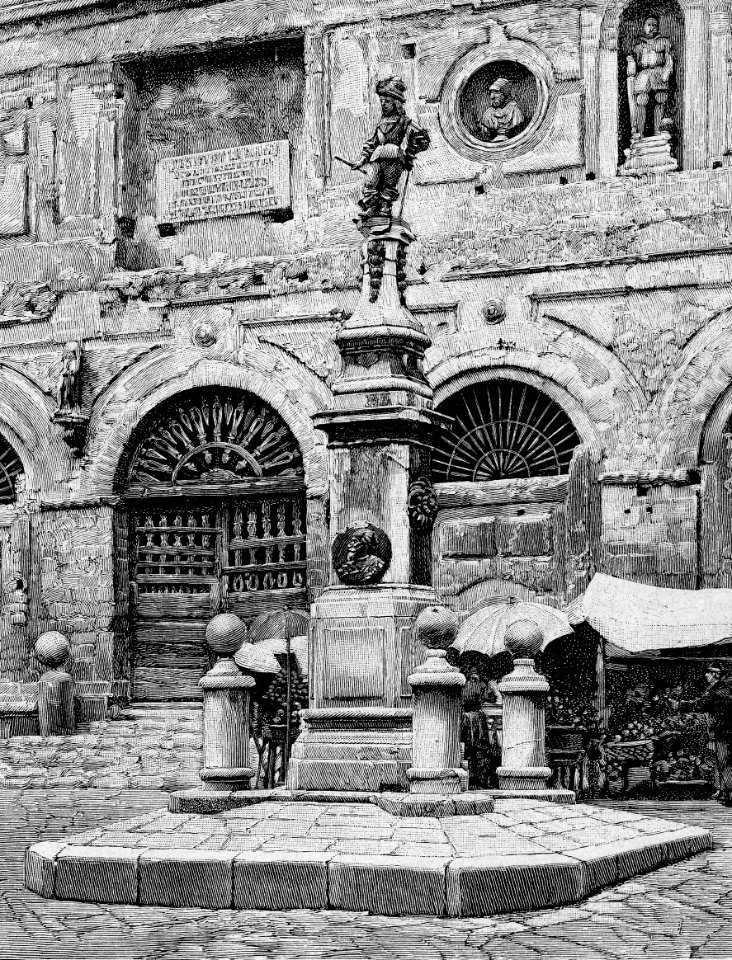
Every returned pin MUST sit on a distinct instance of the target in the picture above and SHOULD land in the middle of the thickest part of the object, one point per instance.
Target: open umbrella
(280, 623)
(484, 630)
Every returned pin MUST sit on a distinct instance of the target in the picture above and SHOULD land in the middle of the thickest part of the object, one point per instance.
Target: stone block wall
(74, 562)
(649, 534)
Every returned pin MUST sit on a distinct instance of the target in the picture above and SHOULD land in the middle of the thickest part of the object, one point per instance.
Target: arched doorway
(515, 486)
(14, 567)
(215, 491)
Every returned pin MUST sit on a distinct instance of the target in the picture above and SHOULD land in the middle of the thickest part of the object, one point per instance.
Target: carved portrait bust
(361, 555)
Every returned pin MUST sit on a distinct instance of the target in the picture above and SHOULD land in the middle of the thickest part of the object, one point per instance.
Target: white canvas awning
(637, 618)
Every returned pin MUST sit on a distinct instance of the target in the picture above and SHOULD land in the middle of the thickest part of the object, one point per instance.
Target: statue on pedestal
(650, 68)
(503, 119)
(389, 151)
(650, 72)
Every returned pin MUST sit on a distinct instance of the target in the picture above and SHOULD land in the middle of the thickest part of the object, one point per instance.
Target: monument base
(649, 155)
(361, 748)
(523, 778)
(358, 733)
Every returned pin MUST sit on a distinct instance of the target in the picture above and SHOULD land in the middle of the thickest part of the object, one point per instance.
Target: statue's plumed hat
(393, 87)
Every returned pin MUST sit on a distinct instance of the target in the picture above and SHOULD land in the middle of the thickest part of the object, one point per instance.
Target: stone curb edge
(387, 885)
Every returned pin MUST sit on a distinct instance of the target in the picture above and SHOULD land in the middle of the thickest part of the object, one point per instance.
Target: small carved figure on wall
(650, 68)
(503, 118)
(389, 151)
(69, 382)
(361, 555)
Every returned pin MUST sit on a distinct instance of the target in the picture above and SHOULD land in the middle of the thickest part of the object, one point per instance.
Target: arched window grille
(10, 469)
(503, 429)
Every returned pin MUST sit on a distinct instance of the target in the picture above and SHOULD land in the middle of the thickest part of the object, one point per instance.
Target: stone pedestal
(649, 155)
(357, 732)
(226, 693)
(436, 730)
(437, 710)
(523, 762)
(56, 704)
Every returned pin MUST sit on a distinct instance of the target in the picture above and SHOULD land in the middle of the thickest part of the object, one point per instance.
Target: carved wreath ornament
(422, 504)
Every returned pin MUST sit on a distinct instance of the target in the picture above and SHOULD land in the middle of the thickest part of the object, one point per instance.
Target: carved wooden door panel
(264, 555)
(176, 591)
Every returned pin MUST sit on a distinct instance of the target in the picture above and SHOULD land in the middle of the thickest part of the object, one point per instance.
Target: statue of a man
(650, 67)
(69, 382)
(504, 118)
(389, 151)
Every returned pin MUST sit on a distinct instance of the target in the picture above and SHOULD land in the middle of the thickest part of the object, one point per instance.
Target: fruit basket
(637, 752)
(564, 737)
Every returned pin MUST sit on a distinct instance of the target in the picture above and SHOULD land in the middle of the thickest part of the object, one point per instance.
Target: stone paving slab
(356, 856)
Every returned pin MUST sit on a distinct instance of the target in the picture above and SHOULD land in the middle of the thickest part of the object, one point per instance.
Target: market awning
(635, 618)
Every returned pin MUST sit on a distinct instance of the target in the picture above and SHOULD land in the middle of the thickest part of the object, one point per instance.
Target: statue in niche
(650, 68)
(504, 118)
(69, 381)
(389, 151)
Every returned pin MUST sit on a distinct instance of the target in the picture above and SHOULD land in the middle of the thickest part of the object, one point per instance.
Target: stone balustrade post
(226, 692)
(55, 687)
(437, 710)
(523, 761)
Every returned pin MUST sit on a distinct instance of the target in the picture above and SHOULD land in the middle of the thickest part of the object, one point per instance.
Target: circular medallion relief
(495, 100)
(361, 555)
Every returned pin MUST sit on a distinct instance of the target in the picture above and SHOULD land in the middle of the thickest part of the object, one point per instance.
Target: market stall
(655, 643)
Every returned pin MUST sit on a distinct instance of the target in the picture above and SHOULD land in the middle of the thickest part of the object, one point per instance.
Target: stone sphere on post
(436, 627)
(523, 762)
(225, 633)
(226, 691)
(56, 686)
(436, 705)
(523, 639)
(52, 649)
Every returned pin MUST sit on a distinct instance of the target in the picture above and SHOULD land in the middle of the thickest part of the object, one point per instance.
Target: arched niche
(630, 30)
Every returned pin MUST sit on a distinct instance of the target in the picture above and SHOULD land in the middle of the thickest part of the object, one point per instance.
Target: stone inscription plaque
(224, 183)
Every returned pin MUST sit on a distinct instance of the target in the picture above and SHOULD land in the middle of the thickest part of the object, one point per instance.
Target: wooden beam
(502, 492)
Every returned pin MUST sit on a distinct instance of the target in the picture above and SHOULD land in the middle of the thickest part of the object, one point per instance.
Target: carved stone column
(358, 729)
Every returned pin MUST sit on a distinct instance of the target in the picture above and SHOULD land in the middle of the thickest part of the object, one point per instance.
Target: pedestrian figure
(716, 701)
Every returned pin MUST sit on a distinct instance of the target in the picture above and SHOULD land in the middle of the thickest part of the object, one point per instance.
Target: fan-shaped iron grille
(214, 436)
(503, 429)
(10, 467)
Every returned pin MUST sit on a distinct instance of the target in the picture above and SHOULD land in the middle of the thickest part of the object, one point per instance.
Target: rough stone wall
(74, 562)
(649, 534)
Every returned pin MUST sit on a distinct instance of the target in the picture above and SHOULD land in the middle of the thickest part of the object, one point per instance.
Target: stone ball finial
(52, 649)
(226, 633)
(436, 627)
(524, 639)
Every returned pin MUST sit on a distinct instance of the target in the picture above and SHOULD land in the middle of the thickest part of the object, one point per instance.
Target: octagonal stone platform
(289, 854)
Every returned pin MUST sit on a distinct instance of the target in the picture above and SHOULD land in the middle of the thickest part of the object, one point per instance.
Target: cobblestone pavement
(681, 911)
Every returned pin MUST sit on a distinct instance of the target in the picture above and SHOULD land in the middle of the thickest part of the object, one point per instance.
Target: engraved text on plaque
(224, 183)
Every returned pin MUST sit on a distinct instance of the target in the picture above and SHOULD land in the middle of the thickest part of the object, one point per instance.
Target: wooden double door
(193, 558)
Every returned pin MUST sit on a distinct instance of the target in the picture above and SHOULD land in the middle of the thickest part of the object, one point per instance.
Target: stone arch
(697, 394)
(25, 423)
(162, 374)
(592, 385)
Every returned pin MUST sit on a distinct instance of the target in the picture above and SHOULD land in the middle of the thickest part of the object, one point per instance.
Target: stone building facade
(178, 251)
